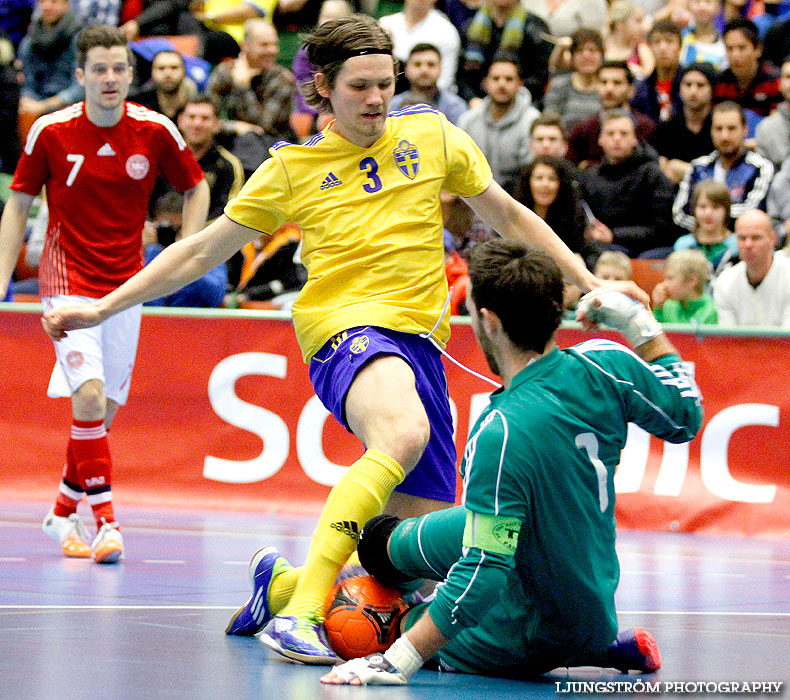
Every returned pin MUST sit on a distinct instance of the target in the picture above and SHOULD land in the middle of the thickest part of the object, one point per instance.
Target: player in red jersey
(99, 160)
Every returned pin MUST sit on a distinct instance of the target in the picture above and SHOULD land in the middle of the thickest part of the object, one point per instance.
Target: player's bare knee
(89, 401)
(410, 439)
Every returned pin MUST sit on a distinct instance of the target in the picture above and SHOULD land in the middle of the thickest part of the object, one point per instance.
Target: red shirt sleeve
(178, 164)
(32, 171)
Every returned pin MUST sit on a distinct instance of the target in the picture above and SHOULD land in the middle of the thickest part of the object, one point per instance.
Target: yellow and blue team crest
(407, 158)
(359, 344)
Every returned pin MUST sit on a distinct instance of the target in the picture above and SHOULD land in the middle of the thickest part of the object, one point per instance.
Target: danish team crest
(137, 166)
(407, 158)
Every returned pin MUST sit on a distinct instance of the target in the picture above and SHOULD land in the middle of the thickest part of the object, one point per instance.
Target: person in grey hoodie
(500, 124)
(773, 132)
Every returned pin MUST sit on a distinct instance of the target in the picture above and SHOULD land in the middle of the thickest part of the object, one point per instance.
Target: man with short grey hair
(756, 291)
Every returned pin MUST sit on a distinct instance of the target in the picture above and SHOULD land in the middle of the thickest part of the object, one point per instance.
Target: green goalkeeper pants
(512, 640)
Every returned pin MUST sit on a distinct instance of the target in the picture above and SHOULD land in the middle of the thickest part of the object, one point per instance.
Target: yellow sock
(358, 496)
(282, 588)
(353, 560)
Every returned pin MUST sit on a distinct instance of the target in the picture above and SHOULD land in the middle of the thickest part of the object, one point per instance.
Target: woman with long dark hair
(547, 187)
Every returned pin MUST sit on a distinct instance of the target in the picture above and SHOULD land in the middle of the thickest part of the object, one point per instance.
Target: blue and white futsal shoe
(300, 639)
(253, 616)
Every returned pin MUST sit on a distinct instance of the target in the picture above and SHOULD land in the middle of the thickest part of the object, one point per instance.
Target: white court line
(164, 561)
(627, 549)
(118, 607)
(145, 561)
(263, 532)
(709, 613)
(710, 574)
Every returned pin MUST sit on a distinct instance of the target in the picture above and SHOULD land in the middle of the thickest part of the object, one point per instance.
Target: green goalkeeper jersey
(538, 473)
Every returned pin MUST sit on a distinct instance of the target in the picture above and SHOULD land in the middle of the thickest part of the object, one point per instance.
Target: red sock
(94, 466)
(70, 491)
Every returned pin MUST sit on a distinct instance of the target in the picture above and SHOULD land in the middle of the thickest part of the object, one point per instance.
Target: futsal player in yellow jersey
(365, 192)
(371, 222)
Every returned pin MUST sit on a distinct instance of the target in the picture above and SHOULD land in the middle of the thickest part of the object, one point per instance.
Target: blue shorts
(334, 367)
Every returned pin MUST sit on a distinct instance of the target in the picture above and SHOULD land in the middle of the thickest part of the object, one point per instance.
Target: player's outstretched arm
(12, 235)
(396, 665)
(195, 209)
(513, 220)
(177, 265)
(632, 319)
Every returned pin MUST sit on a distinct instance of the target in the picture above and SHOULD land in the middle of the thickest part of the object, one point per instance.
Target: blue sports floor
(152, 626)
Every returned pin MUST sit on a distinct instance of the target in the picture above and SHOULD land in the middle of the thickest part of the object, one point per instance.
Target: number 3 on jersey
(78, 160)
(372, 167)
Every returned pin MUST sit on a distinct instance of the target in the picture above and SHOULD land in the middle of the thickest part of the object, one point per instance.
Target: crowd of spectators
(635, 128)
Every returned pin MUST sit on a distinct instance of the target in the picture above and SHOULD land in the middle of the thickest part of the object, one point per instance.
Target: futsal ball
(362, 616)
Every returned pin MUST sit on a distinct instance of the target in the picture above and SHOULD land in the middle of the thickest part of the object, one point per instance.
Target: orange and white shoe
(107, 548)
(70, 532)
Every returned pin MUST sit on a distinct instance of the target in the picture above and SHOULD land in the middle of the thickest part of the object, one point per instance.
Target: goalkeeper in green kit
(527, 562)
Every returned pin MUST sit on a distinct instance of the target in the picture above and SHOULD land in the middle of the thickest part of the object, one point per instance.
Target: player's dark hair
(330, 44)
(204, 99)
(585, 35)
(102, 35)
(730, 106)
(420, 48)
(620, 65)
(522, 285)
(746, 27)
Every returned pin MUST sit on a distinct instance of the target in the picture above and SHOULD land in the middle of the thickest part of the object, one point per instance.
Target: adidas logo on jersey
(105, 150)
(346, 527)
(330, 181)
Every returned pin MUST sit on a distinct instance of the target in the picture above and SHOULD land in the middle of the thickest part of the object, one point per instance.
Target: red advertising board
(222, 415)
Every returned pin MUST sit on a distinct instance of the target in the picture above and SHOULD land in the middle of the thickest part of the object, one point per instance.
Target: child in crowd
(681, 297)
(710, 203)
(702, 41)
(613, 265)
(626, 38)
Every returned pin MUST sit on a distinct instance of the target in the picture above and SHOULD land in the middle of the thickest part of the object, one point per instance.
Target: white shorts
(105, 352)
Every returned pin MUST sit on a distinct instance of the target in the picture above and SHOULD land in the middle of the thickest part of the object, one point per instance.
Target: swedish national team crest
(407, 158)
(359, 344)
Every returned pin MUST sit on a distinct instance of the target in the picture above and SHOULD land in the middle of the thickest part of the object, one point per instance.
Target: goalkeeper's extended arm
(396, 665)
(632, 319)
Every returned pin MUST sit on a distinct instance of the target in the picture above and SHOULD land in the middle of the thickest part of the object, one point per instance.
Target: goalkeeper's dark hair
(522, 285)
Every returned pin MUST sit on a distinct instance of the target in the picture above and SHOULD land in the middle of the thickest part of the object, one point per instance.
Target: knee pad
(372, 551)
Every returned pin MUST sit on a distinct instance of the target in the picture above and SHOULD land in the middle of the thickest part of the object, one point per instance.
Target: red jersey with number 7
(98, 183)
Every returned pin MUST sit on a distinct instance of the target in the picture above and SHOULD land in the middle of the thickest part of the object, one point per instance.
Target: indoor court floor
(152, 626)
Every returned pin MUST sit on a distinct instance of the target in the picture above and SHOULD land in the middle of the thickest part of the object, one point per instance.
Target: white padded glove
(620, 312)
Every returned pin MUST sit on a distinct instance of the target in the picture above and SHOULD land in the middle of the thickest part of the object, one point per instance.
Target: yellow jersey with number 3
(371, 222)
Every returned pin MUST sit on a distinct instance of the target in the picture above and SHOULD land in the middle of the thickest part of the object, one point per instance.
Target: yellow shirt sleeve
(468, 171)
(264, 202)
